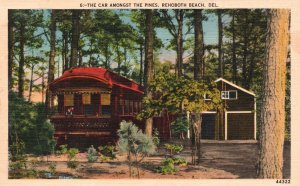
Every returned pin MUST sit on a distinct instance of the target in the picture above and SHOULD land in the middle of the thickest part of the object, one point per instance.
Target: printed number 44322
(283, 181)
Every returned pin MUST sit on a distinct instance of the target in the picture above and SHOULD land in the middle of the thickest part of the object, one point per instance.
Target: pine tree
(75, 38)
(273, 109)
(10, 48)
(149, 62)
(199, 45)
(51, 70)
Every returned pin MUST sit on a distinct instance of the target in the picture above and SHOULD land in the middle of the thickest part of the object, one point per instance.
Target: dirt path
(231, 159)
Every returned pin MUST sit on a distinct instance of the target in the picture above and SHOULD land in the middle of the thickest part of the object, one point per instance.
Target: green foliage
(17, 168)
(72, 153)
(107, 152)
(180, 125)
(63, 149)
(104, 158)
(17, 151)
(28, 124)
(180, 161)
(167, 167)
(173, 148)
(20, 169)
(155, 137)
(174, 94)
(72, 164)
(134, 140)
(52, 168)
(31, 173)
(135, 143)
(92, 154)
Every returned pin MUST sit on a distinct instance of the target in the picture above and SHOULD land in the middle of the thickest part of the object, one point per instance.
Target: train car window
(105, 104)
(87, 106)
(135, 106)
(126, 107)
(121, 107)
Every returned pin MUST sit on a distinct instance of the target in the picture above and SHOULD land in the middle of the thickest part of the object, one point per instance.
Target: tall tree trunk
(125, 55)
(198, 123)
(58, 66)
(199, 45)
(141, 64)
(91, 54)
(234, 64)
(149, 62)
(179, 41)
(75, 38)
(10, 48)
(80, 56)
(273, 114)
(22, 60)
(198, 74)
(63, 57)
(65, 49)
(245, 50)
(43, 87)
(220, 50)
(196, 138)
(49, 100)
(31, 83)
(107, 64)
(118, 58)
(251, 66)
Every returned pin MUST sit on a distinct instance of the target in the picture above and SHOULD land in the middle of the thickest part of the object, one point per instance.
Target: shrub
(52, 168)
(17, 160)
(72, 164)
(167, 166)
(17, 168)
(180, 161)
(28, 123)
(92, 154)
(179, 126)
(63, 149)
(173, 148)
(155, 137)
(104, 158)
(31, 173)
(135, 143)
(108, 151)
(16, 151)
(72, 153)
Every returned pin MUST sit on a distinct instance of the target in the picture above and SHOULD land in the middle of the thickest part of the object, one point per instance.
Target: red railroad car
(91, 102)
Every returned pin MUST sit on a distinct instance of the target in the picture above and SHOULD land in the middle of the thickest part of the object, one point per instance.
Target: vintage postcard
(151, 92)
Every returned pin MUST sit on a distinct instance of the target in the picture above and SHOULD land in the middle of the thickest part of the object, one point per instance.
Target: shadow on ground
(237, 158)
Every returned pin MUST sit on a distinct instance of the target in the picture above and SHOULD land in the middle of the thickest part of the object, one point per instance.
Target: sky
(210, 36)
(210, 29)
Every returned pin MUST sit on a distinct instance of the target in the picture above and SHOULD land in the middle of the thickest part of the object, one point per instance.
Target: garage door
(208, 126)
(240, 126)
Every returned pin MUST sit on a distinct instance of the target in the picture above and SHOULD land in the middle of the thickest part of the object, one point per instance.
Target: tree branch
(170, 25)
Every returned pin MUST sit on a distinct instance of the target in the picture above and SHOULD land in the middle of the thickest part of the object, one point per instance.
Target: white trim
(225, 94)
(234, 85)
(188, 118)
(239, 112)
(209, 112)
(225, 125)
(255, 119)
